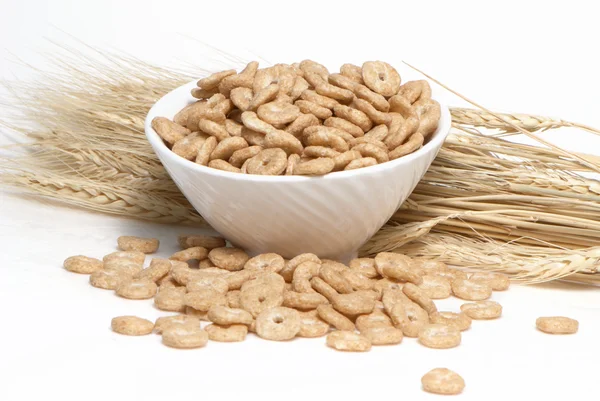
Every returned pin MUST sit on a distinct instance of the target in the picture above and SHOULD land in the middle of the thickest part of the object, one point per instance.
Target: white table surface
(56, 341)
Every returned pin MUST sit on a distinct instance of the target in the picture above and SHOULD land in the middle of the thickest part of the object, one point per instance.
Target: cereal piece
(245, 79)
(374, 319)
(182, 116)
(251, 121)
(241, 97)
(277, 74)
(414, 143)
(342, 81)
(391, 296)
(236, 279)
(137, 289)
(388, 335)
(108, 279)
(183, 336)
(419, 297)
(300, 85)
(341, 160)
(167, 282)
(278, 324)
(213, 128)
(228, 334)
(213, 80)
(319, 166)
(498, 282)
(334, 318)
(377, 116)
(203, 299)
(557, 325)
(301, 123)
(353, 72)
(263, 96)
(367, 139)
(450, 274)
(311, 66)
(170, 299)
(409, 317)
(188, 146)
(194, 253)
(436, 287)
(268, 162)
(82, 264)
(200, 315)
(288, 270)
(200, 93)
(284, 141)
(319, 151)
(158, 269)
(308, 107)
(334, 92)
(356, 303)
(370, 150)
(415, 90)
(166, 321)
(439, 336)
(233, 299)
(217, 283)
(375, 99)
(443, 381)
(132, 256)
(265, 278)
(223, 165)
(258, 298)
(430, 115)
(321, 100)
(168, 130)
(428, 265)
(126, 266)
(303, 300)
(271, 262)
(471, 290)
(293, 161)
(324, 136)
(383, 284)
(131, 325)
(397, 267)
(227, 147)
(364, 266)
(381, 77)
(205, 150)
(206, 114)
(482, 310)
(238, 157)
(348, 341)
(302, 275)
(233, 127)
(139, 244)
(344, 125)
(205, 241)
(354, 116)
(311, 326)
(458, 320)
(278, 112)
(225, 316)
(231, 259)
(377, 133)
(335, 280)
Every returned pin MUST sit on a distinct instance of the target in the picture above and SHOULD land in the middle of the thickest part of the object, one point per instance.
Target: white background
(533, 57)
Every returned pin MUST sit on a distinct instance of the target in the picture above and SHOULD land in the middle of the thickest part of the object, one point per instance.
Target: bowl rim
(182, 94)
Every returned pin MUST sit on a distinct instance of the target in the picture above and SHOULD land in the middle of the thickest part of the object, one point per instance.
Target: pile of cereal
(371, 302)
(299, 119)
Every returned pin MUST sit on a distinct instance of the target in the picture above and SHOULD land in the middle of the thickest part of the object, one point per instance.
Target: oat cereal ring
(439, 336)
(498, 281)
(293, 160)
(272, 75)
(288, 270)
(125, 266)
(352, 71)
(348, 341)
(225, 316)
(189, 146)
(203, 299)
(213, 81)
(227, 147)
(341, 160)
(169, 131)
(371, 150)
(204, 114)
(381, 78)
(213, 128)
(253, 138)
(137, 289)
(429, 118)
(268, 162)
(236, 279)
(319, 151)
(319, 166)
(131, 325)
(388, 335)
(471, 290)
(278, 112)
(225, 107)
(303, 300)
(138, 244)
(183, 274)
(265, 278)
(419, 297)
(233, 127)
(200, 315)
(182, 116)
(284, 141)
(271, 262)
(251, 121)
(311, 326)
(301, 123)
(170, 299)
(241, 98)
(355, 303)
(366, 139)
(334, 318)
(263, 96)
(374, 319)
(360, 163)
(459, 321)
(436, 287)
(391, 296)
(245, 78)
(307, 107)
(364, 266)
(231, 259)
(321, 100)
(354, 116)
(300, 85)
(194, 253)
(413, 144)
(205, 241)
(415, 90)
(344, 125)
(557, 325)
(231, 333)
(377, 133)
(397, 267)
(482, 310)
(258, 298)
(323, 136)
(200, 93)
(108, 279)
(278, 324)
(377, 116)
(238, 157)
(443, 381)
(342, 81)
(314, 67)
(167, 321)
(357, 280)
(409, 317)
(335, 280)
(450, 274)
(183, 336)
(302, 275)
(205, 150)
(217, 283)
(375, 99)
(82, 264)
(158, 269)
(334, 92)
(233, 299)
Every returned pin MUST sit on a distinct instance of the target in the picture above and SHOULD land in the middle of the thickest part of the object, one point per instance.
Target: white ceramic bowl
(331, 216)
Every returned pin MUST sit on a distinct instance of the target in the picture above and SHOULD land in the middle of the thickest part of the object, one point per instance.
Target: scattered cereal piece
(82, 264)
(443, 381)
(348, 341)
(557, 325)
(139, 244)
(131, 325)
